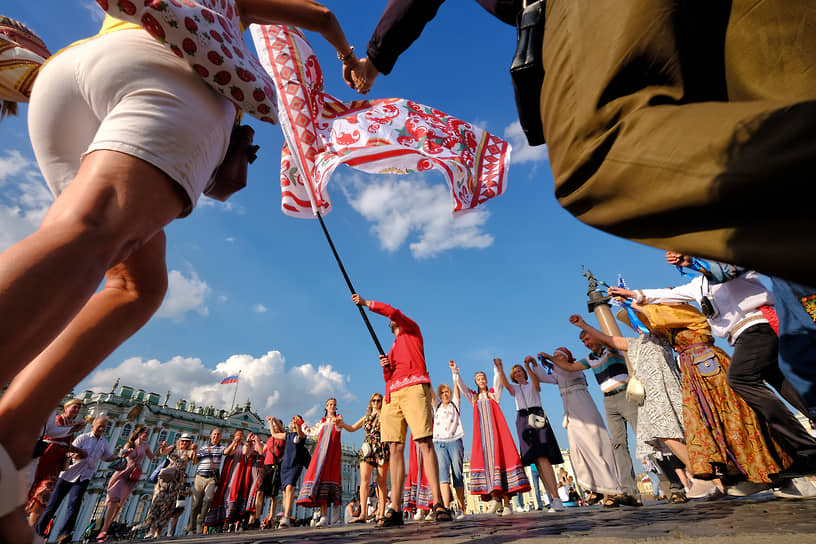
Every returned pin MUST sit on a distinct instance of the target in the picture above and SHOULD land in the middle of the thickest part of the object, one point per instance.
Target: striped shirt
(609, 368)
(209, 458)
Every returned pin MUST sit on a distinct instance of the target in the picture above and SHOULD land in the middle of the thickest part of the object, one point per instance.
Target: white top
(314, 432)
(526, 396)
(473, 397)
(736, 301)
(83, 469)
(447, 425)
(54, 431)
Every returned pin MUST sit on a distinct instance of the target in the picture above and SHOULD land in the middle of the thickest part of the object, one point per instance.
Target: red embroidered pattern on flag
(383, 136)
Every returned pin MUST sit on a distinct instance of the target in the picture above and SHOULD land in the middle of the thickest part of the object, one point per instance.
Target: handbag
(135, 474)
(635, 391)
(154, 476)
(118, 465)
(180, 501)
(527, 70)
(231, 175)
(168, 474)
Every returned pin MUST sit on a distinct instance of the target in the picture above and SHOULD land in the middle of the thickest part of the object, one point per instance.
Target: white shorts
(124, 91)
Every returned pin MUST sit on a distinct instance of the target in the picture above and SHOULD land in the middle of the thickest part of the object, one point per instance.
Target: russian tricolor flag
(230, 379)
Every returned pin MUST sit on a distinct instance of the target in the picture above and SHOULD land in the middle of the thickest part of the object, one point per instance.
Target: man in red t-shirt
(407, 404)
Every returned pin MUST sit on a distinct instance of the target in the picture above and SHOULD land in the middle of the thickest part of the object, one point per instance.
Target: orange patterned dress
(724, 436)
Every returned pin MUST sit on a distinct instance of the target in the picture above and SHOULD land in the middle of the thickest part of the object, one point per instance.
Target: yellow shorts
(409, 407)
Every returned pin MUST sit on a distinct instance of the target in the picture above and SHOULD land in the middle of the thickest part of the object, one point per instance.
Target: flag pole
(348, 282)
(235, 392)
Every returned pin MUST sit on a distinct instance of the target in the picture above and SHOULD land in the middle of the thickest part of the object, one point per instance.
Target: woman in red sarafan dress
(59, 434)
(496, 471)
(416, 491)
(321, 484)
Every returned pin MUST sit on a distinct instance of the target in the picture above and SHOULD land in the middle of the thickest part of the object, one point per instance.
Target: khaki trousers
(687, 125)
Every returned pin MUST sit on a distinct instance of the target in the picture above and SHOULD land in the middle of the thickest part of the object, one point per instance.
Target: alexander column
(598, 304)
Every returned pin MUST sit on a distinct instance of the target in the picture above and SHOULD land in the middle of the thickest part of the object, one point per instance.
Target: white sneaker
(324, 522)
(460, 516)
(508, 509)
(284, 521)
(798, 488)
(745, 488)
(701, 489)
(493, 507)
(556, 506)
(419, 515)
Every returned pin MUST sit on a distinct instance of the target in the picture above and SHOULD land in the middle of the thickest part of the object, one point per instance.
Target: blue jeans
(74, 490)
(451, 456)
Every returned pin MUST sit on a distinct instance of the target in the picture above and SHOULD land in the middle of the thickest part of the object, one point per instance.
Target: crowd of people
(705, 421)
(619, 125)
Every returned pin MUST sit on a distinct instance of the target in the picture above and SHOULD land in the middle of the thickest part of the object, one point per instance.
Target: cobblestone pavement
(727, 521)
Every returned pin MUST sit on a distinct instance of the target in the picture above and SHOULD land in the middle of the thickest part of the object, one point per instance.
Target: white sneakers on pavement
(508, 509)
(323, 522)
(704, 489)
(803, 487)
(556, 506)
(744, 489)
(493, 507)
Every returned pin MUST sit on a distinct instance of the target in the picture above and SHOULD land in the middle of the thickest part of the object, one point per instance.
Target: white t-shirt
(526, 396)
(447, 422)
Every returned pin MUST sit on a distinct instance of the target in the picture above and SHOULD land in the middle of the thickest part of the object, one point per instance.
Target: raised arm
(306, 14)
(460, 385)
(541, 374)
(528, 362)
(616, 342)
(499, 371)
(497, 382)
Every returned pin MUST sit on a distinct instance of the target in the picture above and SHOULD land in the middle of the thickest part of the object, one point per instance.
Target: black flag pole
(350, 286)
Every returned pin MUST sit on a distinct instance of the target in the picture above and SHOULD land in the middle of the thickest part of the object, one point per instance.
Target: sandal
(392, 518)
(441, 513)
(15, 483)
(594, 498)
(678, 498)
(610, 502)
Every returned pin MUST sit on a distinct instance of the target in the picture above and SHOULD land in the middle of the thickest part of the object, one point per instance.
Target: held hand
(81, 454)
(348, 69)
(576, 320)
(363, 75)
(384, 362)
(195, 446)
(453, 367)
(544, 355)
(269, 418)
(530, 360)
(163, 444)
(498, 363)
(678, 259)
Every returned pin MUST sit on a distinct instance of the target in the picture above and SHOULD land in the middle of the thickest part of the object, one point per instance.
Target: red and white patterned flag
(384, 136)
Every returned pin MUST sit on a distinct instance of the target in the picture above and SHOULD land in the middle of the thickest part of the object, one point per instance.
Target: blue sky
(257, 291)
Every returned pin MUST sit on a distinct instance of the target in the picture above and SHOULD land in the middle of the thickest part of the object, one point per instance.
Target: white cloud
(271, 386)
(522, 152)
(184, 294)
(24, 198)
(260, 308)
(399, 207)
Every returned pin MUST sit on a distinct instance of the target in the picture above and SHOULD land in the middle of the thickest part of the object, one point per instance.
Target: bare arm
(616, 342)
(566, 365)
(528, 362)
(351, 428)
(460, 385)
(503, 377)
(306, 14)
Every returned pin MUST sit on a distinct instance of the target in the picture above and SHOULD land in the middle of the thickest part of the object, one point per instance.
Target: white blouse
(447, 421)
(526, 396)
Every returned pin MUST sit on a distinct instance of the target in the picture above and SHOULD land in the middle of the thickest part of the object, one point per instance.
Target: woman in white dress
(590, 447)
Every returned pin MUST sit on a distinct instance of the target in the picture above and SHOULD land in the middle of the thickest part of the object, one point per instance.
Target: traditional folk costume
(495, 466)
(230, 499)
(591, 453)
(322, 484)
(416, 491)
(724, 436)
(59, 436)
